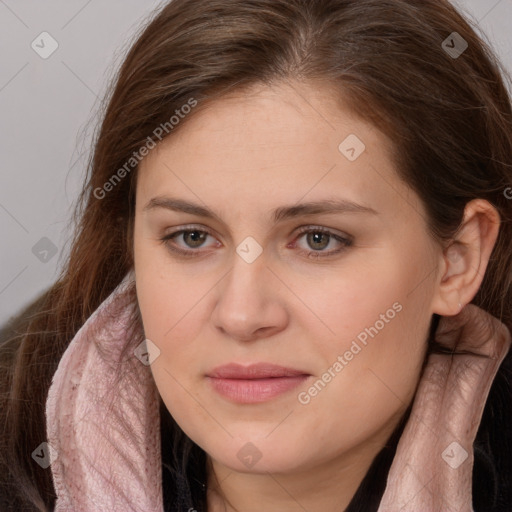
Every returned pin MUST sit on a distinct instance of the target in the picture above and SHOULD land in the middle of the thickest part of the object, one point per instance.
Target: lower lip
(250, 391)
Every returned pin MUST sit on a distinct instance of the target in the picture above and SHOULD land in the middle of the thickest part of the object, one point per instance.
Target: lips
(254, 371)
(255, 383)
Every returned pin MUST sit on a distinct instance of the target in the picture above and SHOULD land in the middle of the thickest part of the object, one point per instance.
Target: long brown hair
(449, 117)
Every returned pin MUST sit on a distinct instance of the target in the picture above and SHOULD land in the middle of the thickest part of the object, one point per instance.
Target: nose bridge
(248, 262)
(243, 284)
(245, 304)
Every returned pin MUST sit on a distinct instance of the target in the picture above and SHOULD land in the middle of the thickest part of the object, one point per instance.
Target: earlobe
(464, 260)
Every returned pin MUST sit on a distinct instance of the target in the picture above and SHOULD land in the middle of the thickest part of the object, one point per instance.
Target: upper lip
(253, 371)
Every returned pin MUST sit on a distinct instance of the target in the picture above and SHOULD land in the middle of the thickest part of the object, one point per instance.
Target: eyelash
(346, 242)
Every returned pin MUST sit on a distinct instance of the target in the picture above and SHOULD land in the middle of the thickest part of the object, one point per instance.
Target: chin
(257, 457)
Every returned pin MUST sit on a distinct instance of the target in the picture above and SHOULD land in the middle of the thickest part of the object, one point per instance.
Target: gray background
(49, 112)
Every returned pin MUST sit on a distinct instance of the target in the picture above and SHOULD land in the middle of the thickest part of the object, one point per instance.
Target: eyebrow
(334, 205)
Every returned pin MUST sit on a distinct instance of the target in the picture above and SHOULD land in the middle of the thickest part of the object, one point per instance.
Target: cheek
(173, 314)
(170, 309)
(168, 295)
(365, 384)
(166, 302)
(374, 352)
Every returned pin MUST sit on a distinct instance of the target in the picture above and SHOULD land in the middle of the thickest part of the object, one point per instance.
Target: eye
(192, 237)
(318, 238)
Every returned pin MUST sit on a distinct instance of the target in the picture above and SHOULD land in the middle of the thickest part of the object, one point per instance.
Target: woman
(290, 285)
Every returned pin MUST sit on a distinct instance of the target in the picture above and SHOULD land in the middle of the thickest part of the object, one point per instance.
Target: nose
(250, 302)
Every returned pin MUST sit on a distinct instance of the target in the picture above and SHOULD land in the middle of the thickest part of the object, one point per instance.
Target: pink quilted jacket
(102, 415)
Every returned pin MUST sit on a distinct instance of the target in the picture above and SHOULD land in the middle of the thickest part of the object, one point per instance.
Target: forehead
(275, 145)
(264, 119)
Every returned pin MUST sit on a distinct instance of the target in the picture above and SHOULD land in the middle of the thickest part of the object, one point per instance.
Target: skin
(241, 157)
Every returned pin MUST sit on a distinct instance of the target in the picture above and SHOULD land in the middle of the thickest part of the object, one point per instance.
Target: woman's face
(248, 177)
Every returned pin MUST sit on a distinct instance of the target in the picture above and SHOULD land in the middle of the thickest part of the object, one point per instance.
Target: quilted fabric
(102, 415)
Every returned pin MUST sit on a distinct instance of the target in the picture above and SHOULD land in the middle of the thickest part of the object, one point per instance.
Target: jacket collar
(102, 415)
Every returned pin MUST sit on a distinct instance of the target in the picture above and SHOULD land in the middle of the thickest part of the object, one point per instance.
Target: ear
(463, 262)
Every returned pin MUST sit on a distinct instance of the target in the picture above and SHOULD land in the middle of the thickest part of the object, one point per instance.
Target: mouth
(255, 383)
